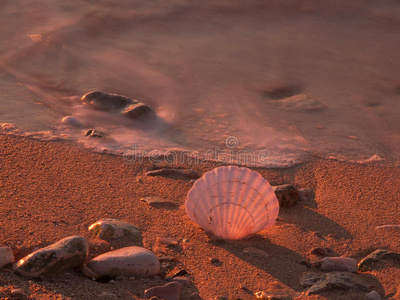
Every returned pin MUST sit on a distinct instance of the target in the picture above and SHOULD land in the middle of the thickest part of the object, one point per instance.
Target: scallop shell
(232, 203)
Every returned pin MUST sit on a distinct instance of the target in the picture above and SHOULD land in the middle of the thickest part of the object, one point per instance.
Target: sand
(51, 190)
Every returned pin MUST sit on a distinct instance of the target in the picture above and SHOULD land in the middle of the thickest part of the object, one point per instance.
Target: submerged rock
(94, 133)
(71, 121)
(322, 282)
(368, 262)
(106, 101)
(137, 110)
(170, 291)
(299, 102)
(128, 261)
(66, 254)
(107, 229)
(6, 256)
(337, 264)
(288, 195)
(117, 103)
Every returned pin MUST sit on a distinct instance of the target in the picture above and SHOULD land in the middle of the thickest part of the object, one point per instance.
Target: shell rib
(232, 203)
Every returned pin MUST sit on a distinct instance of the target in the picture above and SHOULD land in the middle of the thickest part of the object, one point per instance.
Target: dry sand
(50, 190)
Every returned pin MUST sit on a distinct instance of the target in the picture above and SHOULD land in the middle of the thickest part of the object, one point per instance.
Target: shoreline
(52, 189)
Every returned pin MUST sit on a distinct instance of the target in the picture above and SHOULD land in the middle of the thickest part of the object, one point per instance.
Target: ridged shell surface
(232, 203)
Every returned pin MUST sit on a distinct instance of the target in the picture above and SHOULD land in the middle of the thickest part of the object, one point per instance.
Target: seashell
(232, 203)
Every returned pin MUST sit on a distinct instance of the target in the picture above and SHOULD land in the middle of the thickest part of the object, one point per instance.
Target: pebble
(168, 172)
(158, 201)
(374, 295)
(321, 282)
(255, 251)
(167, 241)
(181, 279)
(215, 261)
(323, 252)
(67, 254)
(128, 261)
(288, 195)
(170, 291)
(346, 264)
(107, 229)
(16, 292)
(368, 262)
(89, 273)
(6, 256)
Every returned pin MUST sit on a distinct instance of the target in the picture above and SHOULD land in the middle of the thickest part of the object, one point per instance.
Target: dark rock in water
(67, 254)
(138, 110)
(323, 252)
(167, 172)
(321, 282)
(108, 102)
(170, 291)
(94, 133)
(117, 103)
(368, 262)
(287, 195)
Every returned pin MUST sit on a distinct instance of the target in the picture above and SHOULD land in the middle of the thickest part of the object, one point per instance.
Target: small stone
(157, 201)
(16, 292)
(107, 295)
(215, 261)
(66, 254)
(89, 273)
(164, 258)
(321, 282)
(181, 279)
(128, 261)
(180, 172)
(368, 262)
(323, 252)
(170, 291)
(6, 256)
(167, 241)
(255, 251)
(92, 133)
(374, 295)
(346, 264)
(195, 296)
(107, 229)
(71, 121)
(287, 195)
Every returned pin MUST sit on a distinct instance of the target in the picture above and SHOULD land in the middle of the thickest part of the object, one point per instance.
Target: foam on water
(253, 83)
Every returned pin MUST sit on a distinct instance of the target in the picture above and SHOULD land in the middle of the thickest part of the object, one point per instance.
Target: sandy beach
(51, 190)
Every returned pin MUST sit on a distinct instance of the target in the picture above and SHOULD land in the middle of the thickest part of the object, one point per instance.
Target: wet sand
(51, 190)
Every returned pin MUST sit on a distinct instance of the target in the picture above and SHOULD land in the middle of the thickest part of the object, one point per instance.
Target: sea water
(267, 83)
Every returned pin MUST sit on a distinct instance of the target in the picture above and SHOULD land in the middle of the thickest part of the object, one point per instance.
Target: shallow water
(211, 70)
